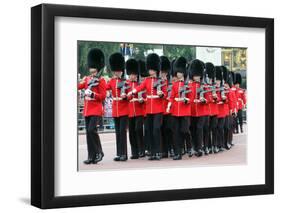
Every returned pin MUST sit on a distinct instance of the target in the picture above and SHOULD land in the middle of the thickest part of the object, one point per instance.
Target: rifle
(141, 92)
(158, 84)
(95, 80)
(183, 90)
(170, 85)
(123, 85)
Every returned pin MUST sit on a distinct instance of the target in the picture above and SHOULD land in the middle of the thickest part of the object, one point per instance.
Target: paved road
(236, 155)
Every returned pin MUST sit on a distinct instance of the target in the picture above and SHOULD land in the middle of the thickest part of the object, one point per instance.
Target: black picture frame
(43, 102)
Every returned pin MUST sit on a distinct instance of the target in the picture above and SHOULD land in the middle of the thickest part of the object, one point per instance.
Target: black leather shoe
(123, 158)
(172, 153)
(177, 157)
(148, 153)
(206, 151)
(152, 157)
(216, 150)
(157, 156)
(134, 157)
(99, 157)
(141, 154)
(117, 158)
(88, 161)
(190, 153)
(199, 153)
(221, 149)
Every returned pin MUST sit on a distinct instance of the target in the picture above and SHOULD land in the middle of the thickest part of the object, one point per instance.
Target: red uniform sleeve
(82, 85)
(142, 86)
(101, 94)
(173, 93)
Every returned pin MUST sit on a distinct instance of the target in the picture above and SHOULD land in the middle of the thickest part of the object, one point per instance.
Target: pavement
(237, 155)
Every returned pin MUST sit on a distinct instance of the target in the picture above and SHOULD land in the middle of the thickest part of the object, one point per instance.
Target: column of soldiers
(169, 108)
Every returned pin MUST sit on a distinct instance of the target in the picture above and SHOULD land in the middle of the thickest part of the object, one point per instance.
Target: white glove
(88, 92)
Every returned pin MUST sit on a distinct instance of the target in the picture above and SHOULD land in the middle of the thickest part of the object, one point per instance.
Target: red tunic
(135, 107)
(179, 108)
(213, 106)
(221, 107)
(241, 98)
(166, 101)
(120, 107)
(93, 106)
(154, 104)
(199, 109)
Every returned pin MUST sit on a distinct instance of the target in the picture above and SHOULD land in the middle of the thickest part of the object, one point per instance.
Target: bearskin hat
(172, 73)
(180, 65)
(238, 78)
(132, 66)
(165, 64)
(210, 70)
(196, 68)
(95, 59)
(219, 71)
(116, 62)
(225, 73)
(142, 70)
(153, 62)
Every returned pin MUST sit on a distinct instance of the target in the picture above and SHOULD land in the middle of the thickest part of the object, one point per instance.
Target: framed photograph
(136, 106)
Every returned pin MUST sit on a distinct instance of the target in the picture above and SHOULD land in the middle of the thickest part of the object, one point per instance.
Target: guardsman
(136, 110)
(222, 99)
(156, 91)
(199, 107)
(167, 135)
(241, 102)
(120, 110)
(180, 99)
(229, 107)
(95, 92)
(144, 74)
(211, 136)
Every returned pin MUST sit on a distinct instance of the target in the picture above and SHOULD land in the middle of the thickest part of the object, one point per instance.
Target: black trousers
(220, 132)
(206, 132)
(93, 139)
(136, 135)
(181, 127)
(167, 134)
(239, 120)
(154, 123)
(213, 131)
(146, 137)
(197, 131)
(121, 135)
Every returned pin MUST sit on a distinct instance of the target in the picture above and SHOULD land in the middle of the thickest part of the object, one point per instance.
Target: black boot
(88, 161)
(164, 155)
(177, 157)
(241, 128)
(199, 153)
(158, 156)
(152, 157)
(123, 158)
(99, 157)
(134, 157)
(117, 158)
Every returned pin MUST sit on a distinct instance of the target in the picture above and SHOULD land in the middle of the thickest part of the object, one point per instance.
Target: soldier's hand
(223, 98)
(141, 100)
(123, 95)
(186, 100)
(130, 93)
(160, 93)
(202, 100)
(88, 92)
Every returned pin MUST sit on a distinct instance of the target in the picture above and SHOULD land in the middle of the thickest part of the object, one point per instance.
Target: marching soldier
(167, 137)
(144, 74)
(211, 136)
(241, 102)
(199, 107)
(180, 100)
(120, 110)
(95, 92)
(222, 98)
(136, 111)
(155, 93)
(229, 106)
